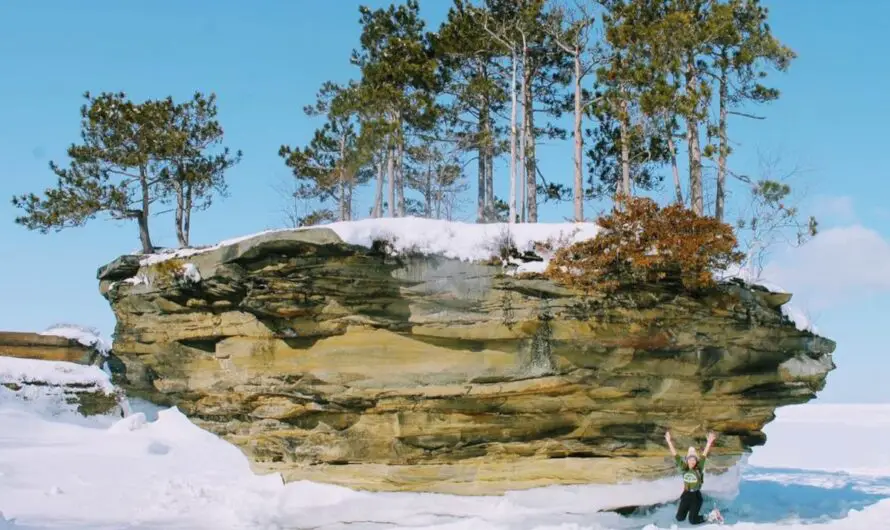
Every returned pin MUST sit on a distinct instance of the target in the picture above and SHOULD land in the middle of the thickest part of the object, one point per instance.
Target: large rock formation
(345, 364)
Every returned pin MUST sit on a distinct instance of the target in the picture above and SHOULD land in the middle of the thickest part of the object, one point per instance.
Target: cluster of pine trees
(642, 80)
(133, 157)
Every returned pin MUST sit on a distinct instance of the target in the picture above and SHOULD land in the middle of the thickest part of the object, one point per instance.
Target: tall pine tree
(195, 169)
(334, 162)
(398, 77)
(743, 48)
(474, 86)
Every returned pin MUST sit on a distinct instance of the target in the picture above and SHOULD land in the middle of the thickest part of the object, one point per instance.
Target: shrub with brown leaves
(641, 242)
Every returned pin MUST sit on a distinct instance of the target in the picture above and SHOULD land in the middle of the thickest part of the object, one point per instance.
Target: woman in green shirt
(693, 470)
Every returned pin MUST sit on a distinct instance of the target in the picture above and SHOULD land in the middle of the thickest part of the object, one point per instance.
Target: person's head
(691, 458)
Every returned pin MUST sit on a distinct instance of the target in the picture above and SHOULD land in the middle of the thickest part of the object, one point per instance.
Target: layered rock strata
(350, 365)
(25, 345)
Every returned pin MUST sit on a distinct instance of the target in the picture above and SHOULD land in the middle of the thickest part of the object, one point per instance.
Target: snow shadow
(785, 496)
(804, 496)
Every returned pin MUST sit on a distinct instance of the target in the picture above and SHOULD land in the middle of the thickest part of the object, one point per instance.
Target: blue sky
(266, 62)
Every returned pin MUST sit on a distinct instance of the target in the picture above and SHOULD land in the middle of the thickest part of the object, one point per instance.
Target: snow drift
(105, 473)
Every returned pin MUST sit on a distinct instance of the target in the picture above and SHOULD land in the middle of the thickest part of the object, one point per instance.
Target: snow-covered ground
(155, 470)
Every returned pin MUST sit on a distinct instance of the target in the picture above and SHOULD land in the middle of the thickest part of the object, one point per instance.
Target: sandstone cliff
(346, 364)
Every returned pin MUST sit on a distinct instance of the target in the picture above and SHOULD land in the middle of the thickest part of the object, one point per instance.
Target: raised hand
(712, 436)
(667, 436)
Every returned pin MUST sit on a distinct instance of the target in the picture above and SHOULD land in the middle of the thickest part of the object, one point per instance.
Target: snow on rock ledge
(457, 240)
(791, 311)
(84, 388)
(89, 337)
(57, 344)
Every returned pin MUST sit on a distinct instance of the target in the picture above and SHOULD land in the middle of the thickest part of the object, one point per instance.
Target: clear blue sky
(265, 60)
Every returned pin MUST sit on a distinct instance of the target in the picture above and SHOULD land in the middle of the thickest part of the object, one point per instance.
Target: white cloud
(835, 267)
(834, 209)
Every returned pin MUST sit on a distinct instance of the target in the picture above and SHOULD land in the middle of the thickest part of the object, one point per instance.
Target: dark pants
(690, 502)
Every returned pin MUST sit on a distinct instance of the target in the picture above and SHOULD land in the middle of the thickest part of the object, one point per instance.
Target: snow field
(155, 469)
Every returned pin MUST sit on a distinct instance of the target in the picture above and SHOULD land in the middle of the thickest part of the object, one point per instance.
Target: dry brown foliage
(641, 242)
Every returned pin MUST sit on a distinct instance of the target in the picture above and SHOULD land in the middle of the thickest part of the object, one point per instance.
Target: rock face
(344, 364)
(44, 347)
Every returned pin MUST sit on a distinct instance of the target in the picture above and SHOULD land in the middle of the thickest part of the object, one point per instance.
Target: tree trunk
(378, 196)
(349, 188)
(187, 215)
(428, 192)
(724, 142)
(513, 132)
(342, 179)
(480, 170)
(488, 150)
(142, 216)
(696, 198)
(342, 196)
(523, 140)
(672, 148)
(179, 213)
(530, 161)
(391, 173)
(490, 215)
(624, 131)
(579, 144)
(400, 171)
(480, 196)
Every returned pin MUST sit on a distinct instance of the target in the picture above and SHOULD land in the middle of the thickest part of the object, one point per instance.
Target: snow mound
(133, 422)
(450, 239)
(89, 337)
(56, 373)
(190, 273)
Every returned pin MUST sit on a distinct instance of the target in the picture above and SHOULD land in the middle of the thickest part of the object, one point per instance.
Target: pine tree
(541, 69)
(658, 77)
(398, 77)
(194, 172)
(571, 30)
(620, 81)
(646, 153)
(691, 44)
(334, 162)
(743, 47)
(438, 176)
(473, 81)
(132, 156)
(546, 72)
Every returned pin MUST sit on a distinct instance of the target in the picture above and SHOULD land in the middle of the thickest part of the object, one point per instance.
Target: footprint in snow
(158, 448)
